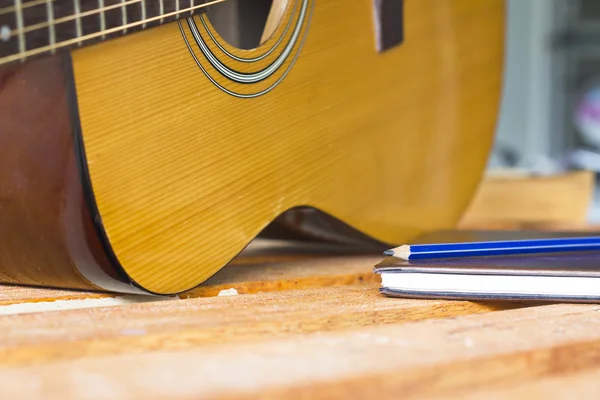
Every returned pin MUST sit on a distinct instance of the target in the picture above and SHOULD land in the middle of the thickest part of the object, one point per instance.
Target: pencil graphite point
(402, 252)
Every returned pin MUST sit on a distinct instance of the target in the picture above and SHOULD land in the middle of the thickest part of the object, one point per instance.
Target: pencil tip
(389, 252)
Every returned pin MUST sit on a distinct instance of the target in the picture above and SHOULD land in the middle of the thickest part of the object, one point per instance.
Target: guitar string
(75, 16)
(57, 21)
(23, 6)
(69, 42)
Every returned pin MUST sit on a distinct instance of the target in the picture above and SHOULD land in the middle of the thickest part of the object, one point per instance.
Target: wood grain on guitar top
(185, 175)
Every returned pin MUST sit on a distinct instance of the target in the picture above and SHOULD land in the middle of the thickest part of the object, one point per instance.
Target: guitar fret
(124, 15)
(31, 28)
(143, 9)
(102, 17)
(21, 35)
(51, 28)
(78, 30)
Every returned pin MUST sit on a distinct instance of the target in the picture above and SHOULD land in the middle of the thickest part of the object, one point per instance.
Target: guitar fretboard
(30, 28)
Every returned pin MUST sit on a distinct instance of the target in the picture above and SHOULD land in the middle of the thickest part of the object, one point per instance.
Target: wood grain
(204, 323)
(264, 266)
(584, 384)
(10, 295)
(185, 176)
(291, 275)
(323, 342)
(295, 357)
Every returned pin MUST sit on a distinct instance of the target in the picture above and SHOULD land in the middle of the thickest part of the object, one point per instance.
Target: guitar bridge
(389, 23)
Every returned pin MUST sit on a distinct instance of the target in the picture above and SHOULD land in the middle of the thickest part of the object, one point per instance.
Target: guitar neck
(31, 28)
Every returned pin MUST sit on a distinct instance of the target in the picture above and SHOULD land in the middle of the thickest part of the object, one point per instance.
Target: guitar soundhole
(246, 24)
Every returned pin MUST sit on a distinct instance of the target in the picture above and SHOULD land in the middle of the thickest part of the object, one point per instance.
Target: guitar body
(150, 161)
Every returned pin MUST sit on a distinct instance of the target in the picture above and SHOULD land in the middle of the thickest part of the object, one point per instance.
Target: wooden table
(285, 322)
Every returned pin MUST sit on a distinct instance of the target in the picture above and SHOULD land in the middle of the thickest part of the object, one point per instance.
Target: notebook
(564, 277)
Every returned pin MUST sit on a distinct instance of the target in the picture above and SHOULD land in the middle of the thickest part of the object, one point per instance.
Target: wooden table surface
(290, 322)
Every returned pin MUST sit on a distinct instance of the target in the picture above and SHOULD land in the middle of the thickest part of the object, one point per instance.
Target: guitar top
(144, 144)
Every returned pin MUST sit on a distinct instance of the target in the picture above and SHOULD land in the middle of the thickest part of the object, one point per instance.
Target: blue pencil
(494, 248)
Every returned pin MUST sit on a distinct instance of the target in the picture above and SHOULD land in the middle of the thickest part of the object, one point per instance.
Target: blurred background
(550, 111)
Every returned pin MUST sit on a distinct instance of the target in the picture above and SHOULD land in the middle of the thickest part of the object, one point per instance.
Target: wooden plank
(583, 385)
(289, 273)
(503, 199)
(178, 324)
(10, 294)
(429, 357)
(265, 266)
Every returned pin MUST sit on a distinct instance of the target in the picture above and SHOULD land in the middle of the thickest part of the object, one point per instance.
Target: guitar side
(47, 233)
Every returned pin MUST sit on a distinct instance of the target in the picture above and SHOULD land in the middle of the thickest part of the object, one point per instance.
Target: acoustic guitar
(145, 143)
